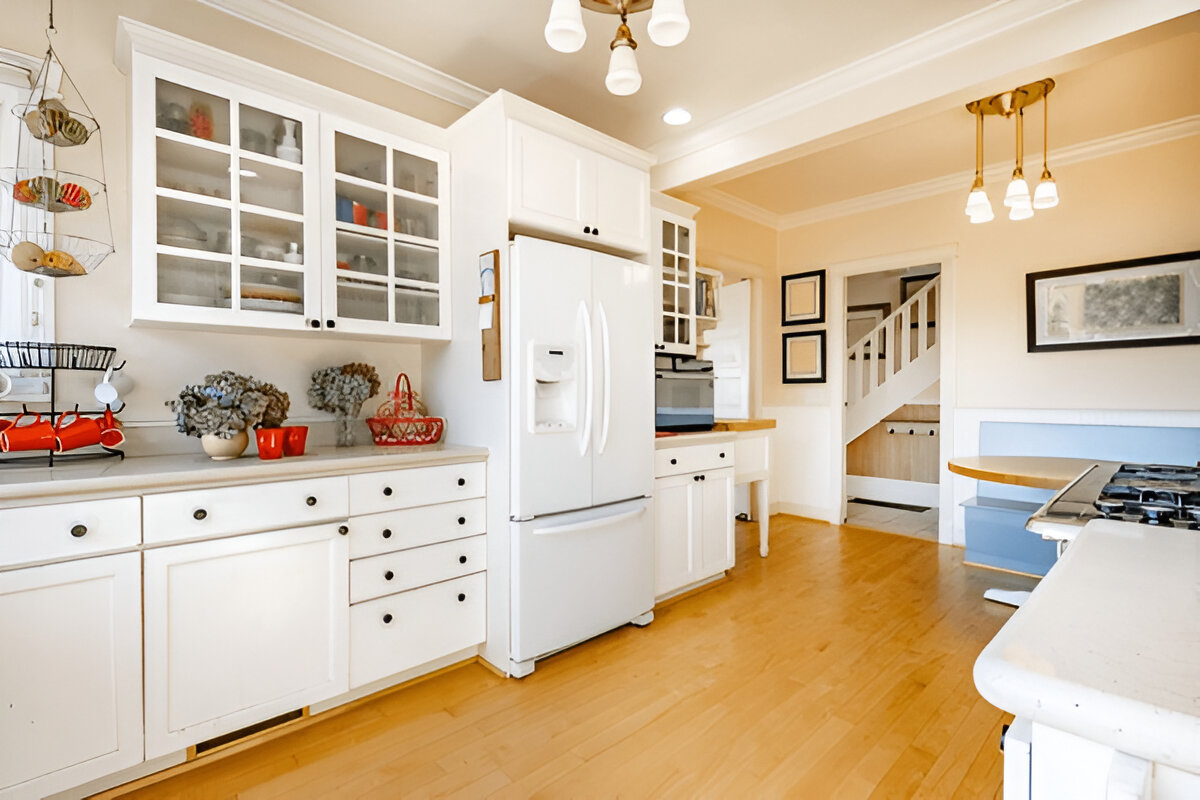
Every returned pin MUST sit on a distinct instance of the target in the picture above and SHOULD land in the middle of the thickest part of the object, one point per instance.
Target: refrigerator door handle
(606, 354)
(573, 527)
(585, 435)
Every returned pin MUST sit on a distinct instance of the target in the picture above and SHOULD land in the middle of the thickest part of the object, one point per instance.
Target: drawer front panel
(696, 458)
(405, 630)
(415, 527)
(69, 530)
(421, 486)
(408, 569)
(206, 513)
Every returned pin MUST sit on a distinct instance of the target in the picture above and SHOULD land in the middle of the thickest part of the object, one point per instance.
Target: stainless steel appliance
(683, 394)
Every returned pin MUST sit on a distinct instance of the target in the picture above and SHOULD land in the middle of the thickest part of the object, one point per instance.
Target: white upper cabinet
(563, 188)
(250, 211)
(675, 252)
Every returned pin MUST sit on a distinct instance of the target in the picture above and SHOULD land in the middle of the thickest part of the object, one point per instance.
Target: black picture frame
(1039, 318)
(818, 376)
(790, 317)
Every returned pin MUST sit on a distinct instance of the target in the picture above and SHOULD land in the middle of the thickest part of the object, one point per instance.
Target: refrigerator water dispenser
(555, 389)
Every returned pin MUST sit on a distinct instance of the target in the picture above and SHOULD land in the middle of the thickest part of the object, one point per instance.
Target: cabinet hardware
(343, 529)
(387, 533)
(312, 501)
(722, 455)
(587, 228)
(315, 323)
(674, 462)
(387, 576)
(702, 477)
(199, 514)
(595, 231)
(462, 559)
(462, 520)
(461, 597)
(695, 477)
(387, 619)
(387, 491)
(79, 531)
(329, 323)
(462, 481)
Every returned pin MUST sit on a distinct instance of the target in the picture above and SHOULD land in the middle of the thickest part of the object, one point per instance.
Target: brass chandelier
(1017, 198)
(668, 27)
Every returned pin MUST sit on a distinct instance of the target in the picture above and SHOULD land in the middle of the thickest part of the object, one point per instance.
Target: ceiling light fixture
(1046, 194)
(677, 116)
(1017, 198)
(668, 26)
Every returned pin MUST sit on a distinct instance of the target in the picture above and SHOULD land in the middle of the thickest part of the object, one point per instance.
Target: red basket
(402, 420)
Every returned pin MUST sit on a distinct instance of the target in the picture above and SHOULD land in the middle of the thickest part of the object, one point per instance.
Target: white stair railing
(885, 360)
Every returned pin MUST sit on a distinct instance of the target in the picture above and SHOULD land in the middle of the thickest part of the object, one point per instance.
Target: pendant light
(623, 76)
(979, 207)
(669, 23)
(1046, 194)
(564, 31)
(1017, 195)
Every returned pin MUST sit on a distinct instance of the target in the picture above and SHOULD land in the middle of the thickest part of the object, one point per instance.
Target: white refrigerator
(582, 438)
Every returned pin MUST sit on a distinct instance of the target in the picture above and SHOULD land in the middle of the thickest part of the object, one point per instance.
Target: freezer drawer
(579, 574)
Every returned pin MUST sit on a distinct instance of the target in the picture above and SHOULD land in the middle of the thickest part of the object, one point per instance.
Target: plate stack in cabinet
(417, 559)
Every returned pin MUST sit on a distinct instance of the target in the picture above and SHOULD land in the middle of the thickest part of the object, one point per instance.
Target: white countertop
(1108, 645)
(700, 437)
(20, 486)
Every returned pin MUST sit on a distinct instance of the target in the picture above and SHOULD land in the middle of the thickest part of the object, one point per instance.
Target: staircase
(893, 363)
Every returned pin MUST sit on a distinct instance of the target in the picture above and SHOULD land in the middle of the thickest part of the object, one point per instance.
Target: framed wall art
(1143, 302)
(803, 297)
(910, 285)
(862, 319)
(804, 357)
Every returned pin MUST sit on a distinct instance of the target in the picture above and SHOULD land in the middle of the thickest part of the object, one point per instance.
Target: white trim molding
(319, 34)
(957, 182)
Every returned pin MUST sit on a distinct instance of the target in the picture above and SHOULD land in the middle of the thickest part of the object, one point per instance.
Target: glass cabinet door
(678, 270)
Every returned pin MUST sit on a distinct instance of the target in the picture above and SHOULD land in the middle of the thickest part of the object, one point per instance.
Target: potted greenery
(221, 410)
(341, 391)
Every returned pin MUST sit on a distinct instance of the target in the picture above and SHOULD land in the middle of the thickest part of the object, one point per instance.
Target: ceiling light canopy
(677, 116)
(668, 26)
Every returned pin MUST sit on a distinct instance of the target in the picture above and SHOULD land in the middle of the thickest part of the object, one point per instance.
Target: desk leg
(764, 516)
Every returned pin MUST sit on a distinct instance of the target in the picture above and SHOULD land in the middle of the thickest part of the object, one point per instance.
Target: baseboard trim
(814, 513)
(890, 490)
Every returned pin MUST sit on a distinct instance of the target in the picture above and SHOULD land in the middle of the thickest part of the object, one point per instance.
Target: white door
(71, 673)
(240, 630)
(715, 517)
(622, 216)
(729, 350)
(675, 543)
(551, 182)
(577, 575)
(553, 358)
(623, 441)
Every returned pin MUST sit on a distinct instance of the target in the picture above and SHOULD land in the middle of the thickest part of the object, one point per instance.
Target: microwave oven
(683, 394)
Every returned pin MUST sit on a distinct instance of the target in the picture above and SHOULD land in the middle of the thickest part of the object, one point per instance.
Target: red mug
(81, 432)
(111, 434)
(37, 435)
(294, 438)
(270, 442)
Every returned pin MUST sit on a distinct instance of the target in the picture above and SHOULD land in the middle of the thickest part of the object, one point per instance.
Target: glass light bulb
(1020, 212)
(623, 76)
(983, 215)
(669, 23)
(1017, 194)
(565, 32)
(977, 201)
(1046, 194)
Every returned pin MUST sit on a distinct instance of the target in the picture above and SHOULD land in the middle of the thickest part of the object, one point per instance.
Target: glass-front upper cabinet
(385, 203)
(674, 247)
(225, 204)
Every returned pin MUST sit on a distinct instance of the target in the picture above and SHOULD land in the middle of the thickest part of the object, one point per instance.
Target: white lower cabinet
(693, 528)
(242, 629)
(70, 673)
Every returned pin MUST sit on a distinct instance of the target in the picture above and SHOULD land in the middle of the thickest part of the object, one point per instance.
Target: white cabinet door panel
(622, 205)
(551, 181)
(239, 630)
(71, 673)
(716, 522)
(675, 546)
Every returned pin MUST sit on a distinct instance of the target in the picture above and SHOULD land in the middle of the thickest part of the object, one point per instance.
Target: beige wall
(96, 309)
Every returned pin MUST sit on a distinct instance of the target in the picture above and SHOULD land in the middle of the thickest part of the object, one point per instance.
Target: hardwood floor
(840, 667)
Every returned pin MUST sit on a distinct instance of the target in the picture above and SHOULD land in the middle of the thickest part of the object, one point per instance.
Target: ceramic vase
(344, 430)
(224, 449)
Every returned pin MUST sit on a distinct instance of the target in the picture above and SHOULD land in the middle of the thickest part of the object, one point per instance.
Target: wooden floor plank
(840, 666)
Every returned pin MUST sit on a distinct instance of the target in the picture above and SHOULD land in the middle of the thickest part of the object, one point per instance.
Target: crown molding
(975, 48)
(957, 182)
(306, 29)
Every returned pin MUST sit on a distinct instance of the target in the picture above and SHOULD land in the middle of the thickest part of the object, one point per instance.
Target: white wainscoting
(801, 482)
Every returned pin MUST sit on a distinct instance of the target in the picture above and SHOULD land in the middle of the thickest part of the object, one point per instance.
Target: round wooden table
(1038, 472)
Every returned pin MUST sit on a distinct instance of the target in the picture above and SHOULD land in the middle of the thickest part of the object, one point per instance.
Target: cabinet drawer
(405, 630)
(408, 569)
(694, 458)
(415, 527)
(206, 513)
(421, 486)
(69, 530)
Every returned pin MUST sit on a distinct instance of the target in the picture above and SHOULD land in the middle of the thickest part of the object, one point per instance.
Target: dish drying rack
(54, 358)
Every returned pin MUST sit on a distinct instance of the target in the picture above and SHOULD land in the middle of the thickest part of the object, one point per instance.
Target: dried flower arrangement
(342, 391)
(228, 403)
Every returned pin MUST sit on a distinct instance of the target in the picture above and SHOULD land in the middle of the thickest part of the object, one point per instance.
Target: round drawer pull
(199, 514)
(387, 576)
(387, 491)
(387, 533)
(702, 477)
(79, 531)
(462, 520)
(312, 501)
(674, 462)
(695, 477)
(461, 597)
(722, 455)
(462, 559)
(387, 619)
(343, 529)
(462, 481)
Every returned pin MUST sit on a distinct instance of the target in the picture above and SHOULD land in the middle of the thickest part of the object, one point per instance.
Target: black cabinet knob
(595, 231)
(387, 576)
(387, 533)
(329, 323)
(462, 481)
(722, 455)
(343, 529)
(702, 477)
(461, 597)
(387, 491)
(674, 461)
(387, 619)
(79, 531)
(462, 520)
(315, 323)
(695, 477)
(587, 228)
(310, 500)
(462, 559)
(199, 514)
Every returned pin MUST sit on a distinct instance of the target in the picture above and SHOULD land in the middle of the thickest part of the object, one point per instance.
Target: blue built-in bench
(995, 517)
